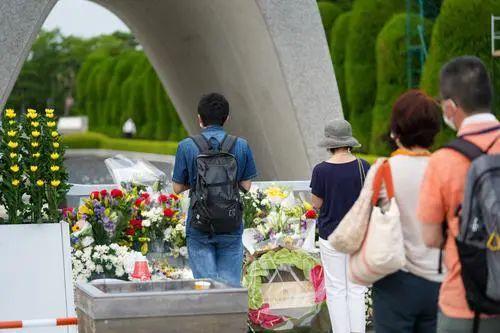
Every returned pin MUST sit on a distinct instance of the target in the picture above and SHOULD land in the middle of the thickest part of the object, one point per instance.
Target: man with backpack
(460, 201)
(214, 166)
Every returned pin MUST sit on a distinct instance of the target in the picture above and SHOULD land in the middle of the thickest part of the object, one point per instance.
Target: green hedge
(368, 18)
(462, 28)
(391, 58)
(91, 140)
(329, 13)
(337, 44)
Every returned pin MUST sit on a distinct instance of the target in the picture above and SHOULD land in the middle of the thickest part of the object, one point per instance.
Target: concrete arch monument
(269, 57)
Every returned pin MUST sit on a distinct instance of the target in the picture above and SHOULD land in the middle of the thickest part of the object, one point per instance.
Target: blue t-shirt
(339, 186)
(185, 159)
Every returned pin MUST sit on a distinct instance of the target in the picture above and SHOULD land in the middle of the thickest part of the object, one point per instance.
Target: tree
(367, 19)
(455, 33)
(338, 40)
(391, 78)
(329, 13)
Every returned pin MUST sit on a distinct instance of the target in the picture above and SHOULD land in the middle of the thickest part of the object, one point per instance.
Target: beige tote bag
(349, 234)
(382, 251)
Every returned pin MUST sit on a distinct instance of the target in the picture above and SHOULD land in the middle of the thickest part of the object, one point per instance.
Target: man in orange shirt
(466, 102)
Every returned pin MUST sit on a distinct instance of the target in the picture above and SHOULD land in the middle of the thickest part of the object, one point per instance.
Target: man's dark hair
(213, 109)
(466, 81)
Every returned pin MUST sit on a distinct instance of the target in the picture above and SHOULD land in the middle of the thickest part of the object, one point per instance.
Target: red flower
(104, 193)
(145, 195)
(116, 193)
(311, 214)
(173, 196)
(168, 212)
(162, 198)
(130, 231)
(67, 210)
(136, 224)
(139, 201)
(95, 195)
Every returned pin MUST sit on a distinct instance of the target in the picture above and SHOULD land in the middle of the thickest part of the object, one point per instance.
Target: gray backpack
(215, 199)
(478, 241)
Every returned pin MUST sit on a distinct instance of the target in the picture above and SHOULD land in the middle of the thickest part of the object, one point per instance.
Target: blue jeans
(219, 257)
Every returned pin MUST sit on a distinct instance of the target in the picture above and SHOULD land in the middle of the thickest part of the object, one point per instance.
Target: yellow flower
(54, 156)
(9, 113)
(12, 122)
(35, 123)
(55, 144)
(54, 134)
(35, 134)
(12, 144)
(34, 144)
(49, 115)
(54, 168)
(14, 168)
(55, 183)
(49, 111)
(36, 155)
(307, 206)
(11, 133)
(40, 182)
(31, 114)
(33, 168)
(51, 123)
(15, 182)
(75, 228)
(13, 155)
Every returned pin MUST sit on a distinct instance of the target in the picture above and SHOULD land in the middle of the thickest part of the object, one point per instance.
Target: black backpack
(215, 200)
(478, 240)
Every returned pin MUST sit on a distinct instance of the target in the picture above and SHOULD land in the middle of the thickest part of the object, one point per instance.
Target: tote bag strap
(383, 176)
(362, 174)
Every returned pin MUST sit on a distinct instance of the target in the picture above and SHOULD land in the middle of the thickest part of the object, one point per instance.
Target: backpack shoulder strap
(228, 143)
(201, 142)
(466, 148)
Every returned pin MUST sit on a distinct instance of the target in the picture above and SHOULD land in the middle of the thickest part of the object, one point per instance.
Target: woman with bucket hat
(335, 186)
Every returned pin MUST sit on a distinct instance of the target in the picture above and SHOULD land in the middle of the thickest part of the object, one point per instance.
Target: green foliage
(391, 76)
(329, 13)
(462, 28)
(368, 18)
(345, 5)
(100, 141)
(337, 41)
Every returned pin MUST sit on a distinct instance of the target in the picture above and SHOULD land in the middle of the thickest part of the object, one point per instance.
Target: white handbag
(349, 234)
(382, 251)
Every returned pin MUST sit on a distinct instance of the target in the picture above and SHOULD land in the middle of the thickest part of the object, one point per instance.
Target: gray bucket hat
(338, 133)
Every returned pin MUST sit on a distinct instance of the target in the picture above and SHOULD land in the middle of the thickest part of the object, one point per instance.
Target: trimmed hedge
(368, 18)
(337, 44)
(329, 13)
(462, 28)
(91, 140)
(391, 55)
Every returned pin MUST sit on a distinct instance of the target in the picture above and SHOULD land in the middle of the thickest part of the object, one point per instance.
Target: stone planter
(160, 306)
(35, 265)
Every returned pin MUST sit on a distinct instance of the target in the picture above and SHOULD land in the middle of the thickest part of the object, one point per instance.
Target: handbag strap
(383, 176)
(362, 174)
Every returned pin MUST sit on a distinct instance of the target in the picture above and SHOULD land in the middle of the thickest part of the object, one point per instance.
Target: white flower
(146, 223)
(87, 241)
(183, 251)
(179, 227)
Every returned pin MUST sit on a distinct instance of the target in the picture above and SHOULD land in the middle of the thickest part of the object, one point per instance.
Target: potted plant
(33, 242)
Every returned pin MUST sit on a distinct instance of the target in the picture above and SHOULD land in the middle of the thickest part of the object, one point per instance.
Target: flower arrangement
(110, 261)
(32, 167)
(132, 219)
(107, 214)
(255, 204)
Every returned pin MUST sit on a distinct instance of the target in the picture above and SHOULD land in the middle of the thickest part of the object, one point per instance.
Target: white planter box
(35, 274)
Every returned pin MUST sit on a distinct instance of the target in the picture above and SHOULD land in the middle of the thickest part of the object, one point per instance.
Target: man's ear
(200, 121)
